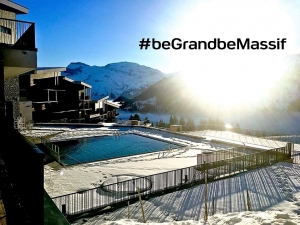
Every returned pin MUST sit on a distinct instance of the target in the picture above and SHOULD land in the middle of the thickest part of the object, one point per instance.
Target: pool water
(109, 147)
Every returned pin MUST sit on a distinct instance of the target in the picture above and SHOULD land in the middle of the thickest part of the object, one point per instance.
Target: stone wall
(12, 93)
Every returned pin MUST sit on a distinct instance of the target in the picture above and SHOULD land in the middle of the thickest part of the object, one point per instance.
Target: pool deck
(96, 172)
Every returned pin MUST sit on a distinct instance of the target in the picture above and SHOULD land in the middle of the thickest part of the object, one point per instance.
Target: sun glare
(233, 77)
(228, 126)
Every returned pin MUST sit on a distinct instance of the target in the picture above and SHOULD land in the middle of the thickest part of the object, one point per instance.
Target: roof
(99, 100)
(63, 83)
(114, 104)
(13, 7)
(76, 82)
(40, 70)
(83, 83)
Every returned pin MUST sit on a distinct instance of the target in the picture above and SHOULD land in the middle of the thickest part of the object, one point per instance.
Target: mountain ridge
(146, 89)
(125, 79)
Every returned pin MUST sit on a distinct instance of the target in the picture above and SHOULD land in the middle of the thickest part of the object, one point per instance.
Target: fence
(222, 154)
(102, 196)
(53, 149)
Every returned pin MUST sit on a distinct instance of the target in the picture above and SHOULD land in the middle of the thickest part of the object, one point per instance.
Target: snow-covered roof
(114, 104)
(40, 70)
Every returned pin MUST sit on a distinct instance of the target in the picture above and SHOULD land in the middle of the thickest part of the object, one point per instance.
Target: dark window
(5, 30)
(23, 93)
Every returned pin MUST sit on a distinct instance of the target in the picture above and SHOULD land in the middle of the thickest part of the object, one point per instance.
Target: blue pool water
(108, 147)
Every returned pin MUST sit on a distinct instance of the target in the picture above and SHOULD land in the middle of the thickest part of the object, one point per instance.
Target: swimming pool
(108, 147)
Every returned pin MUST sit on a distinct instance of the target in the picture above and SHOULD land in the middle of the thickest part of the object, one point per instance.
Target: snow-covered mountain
(124, 79)
(148, 89)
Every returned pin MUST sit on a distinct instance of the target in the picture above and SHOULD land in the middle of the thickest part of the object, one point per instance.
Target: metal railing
(17, 32)
(114, 193)
(219, 155)
(53, 149)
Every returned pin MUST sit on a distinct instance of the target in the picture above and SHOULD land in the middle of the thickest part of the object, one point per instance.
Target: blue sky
(107, 31)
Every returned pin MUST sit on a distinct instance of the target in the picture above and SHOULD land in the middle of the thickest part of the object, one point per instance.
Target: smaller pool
(109, 147)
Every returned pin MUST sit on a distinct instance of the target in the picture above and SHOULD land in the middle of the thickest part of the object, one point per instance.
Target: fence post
(143, 213)
(205, 194)
(128, 210)
(181, 177)
(213, 206)
(248, 201)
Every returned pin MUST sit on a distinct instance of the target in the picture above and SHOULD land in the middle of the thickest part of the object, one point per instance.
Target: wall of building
(42, 75)
(175, 128)
(26, 110)
(7, 15)
(19, 58)
(12, 92)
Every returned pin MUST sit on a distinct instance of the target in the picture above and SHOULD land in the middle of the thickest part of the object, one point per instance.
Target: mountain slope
(173, 94)
(116, 79)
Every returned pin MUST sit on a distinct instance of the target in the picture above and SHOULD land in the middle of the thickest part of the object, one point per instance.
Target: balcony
(85, 97)
(17, 33)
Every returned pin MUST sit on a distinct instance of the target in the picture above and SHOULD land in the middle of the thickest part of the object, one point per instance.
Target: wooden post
(248, 201)
(205, 194)
(128, 211)
(143, 213)
(213, 207)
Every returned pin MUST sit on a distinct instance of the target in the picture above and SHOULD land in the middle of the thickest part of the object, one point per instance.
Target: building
(54, 97)
(103, 110)
(18, 54)
(33, 94)
(176, 128)
(21, 167)
(44, 95)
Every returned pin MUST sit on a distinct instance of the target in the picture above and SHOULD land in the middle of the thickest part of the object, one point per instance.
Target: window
(23, 94)
(5, 30)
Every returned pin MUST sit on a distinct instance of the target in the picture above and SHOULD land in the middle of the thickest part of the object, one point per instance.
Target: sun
(233, 77)
(235, 81)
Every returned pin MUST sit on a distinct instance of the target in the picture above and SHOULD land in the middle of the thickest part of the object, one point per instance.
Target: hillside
(116, 79)
(173, 94)
(149, 90)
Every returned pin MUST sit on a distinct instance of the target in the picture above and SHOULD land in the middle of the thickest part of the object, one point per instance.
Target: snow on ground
(242, 218)
(274, 197)
(274, 191)
(61, 180)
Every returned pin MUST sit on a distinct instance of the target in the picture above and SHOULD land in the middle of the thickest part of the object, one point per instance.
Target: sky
(108, 31)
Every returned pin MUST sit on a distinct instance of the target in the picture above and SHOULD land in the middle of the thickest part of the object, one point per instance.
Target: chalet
(103, 110)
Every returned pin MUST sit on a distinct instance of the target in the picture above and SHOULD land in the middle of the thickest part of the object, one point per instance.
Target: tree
(146, 120)
(161, 123)
(131, 117)
(171, 121)
(181, 121)
(175, 121)
(136, 117)
(238, 128)
(190, 122)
